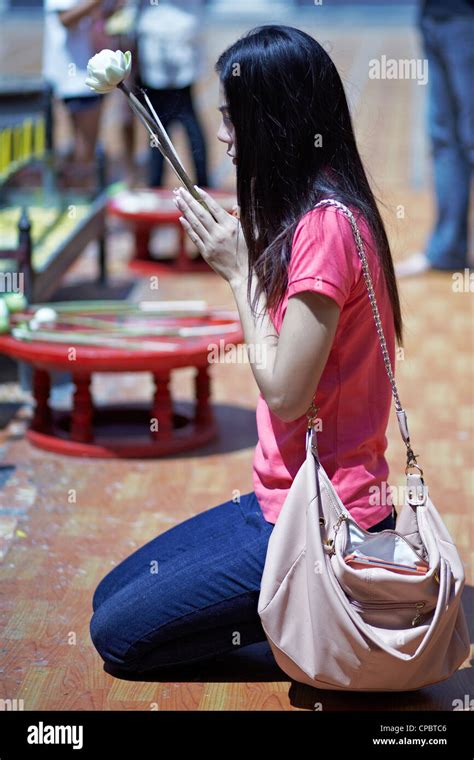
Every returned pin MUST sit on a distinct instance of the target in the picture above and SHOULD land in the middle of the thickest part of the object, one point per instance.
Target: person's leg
(461, 64)
(85, 113)
(191, 123)
(187, 595)
(166, 104)
(447, 246)
(127, 123)
(85, 116)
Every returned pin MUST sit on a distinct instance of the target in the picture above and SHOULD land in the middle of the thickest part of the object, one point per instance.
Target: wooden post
(182, 256)
(83, 410)
(161, 424)
(24, 254)
(202, 384)
(142, 242)
(42, 418)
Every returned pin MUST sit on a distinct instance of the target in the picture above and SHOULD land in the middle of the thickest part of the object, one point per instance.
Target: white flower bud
(43, 316)
(107, 69)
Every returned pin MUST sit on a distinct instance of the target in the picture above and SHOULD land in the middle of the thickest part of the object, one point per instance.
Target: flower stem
(164, 144)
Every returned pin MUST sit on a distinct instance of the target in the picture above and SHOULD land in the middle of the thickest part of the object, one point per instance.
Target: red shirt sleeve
(322, 255)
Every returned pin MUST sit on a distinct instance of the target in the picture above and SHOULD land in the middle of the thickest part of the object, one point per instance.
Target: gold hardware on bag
(411, 460)
(417, 618)
(340, 519)
(312, 414)
(330, 544)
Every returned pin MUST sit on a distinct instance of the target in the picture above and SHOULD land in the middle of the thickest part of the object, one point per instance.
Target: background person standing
(73, 33)
(447, 31)
(170, 62)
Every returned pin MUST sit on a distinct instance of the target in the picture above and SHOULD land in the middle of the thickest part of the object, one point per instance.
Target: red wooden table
(125, 430)
(146, 209)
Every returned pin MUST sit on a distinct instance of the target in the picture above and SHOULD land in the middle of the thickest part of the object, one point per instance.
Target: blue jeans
(82, 103)
(449, 50)
(188, 594)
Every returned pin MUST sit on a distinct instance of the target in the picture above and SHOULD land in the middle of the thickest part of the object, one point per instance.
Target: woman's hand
(218, 237)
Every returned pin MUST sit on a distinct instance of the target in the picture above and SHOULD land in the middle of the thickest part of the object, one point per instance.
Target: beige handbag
(334, 625)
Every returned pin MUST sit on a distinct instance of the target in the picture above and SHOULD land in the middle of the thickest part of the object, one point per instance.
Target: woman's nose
(223, 135)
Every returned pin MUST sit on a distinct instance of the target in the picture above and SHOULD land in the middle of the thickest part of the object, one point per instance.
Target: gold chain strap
(411, 457)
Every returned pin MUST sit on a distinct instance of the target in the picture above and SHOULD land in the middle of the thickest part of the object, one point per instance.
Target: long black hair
(295, 146)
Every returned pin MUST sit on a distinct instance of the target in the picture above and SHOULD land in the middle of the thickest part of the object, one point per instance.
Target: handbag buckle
(312, 414)
(411, 460)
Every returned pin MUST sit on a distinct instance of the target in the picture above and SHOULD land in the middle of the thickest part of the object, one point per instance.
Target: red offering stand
(125, 430)
(146, 209)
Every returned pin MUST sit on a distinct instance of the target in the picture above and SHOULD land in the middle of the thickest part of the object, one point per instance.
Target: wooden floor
(53, 553)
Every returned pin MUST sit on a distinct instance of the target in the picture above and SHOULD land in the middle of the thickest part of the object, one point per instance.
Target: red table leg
(83, 411)
(182, 257)
(142, 241)
(42, 417)
(162, 409)
(202, 385)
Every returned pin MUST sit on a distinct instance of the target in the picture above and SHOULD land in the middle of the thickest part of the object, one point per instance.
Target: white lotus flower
(107, 69)
(44, 316)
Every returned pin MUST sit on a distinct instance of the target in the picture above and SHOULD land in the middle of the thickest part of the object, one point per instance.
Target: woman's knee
(102, 592)
(106, 588)
(110, 640)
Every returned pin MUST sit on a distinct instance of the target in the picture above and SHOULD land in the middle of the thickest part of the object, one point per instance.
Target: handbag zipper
(344, 516)
(331, 541)
(391, 606)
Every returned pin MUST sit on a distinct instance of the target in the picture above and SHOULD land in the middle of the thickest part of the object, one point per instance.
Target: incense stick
(156, 129)
(160, 124)
(49, 336)
(180, 173)
(139, 330)
(162, 308)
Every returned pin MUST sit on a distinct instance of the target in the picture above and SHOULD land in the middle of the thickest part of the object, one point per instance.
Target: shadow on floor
(237, 429)
(255, 663)
(8, 370)
(8, 410)
(90, 290)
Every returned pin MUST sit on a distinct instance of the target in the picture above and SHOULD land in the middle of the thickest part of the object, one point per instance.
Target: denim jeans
(449, 50)
(188, 594)
(177, 105)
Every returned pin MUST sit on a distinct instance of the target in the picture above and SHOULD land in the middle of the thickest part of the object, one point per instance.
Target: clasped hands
(217, 236)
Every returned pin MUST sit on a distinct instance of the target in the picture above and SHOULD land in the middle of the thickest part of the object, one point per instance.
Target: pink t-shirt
(354, 393)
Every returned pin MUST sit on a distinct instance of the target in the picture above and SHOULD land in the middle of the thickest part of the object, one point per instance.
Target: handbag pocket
(389, 614)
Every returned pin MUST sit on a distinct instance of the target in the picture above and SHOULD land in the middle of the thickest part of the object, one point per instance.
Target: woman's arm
(73, 15)
(288, 368)
(293, 362)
